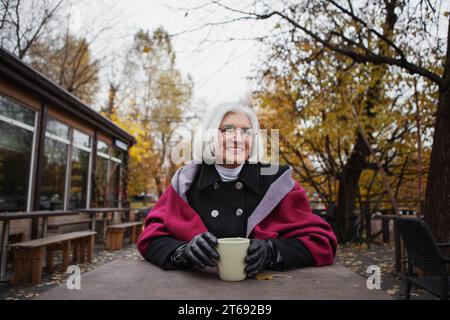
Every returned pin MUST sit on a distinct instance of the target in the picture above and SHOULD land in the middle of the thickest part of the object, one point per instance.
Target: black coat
(224, 208)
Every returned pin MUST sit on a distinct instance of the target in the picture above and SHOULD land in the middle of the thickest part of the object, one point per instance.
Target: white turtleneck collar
(228, 174)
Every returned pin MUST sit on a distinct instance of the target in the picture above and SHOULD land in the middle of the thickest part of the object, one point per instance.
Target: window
(66, 164)
(53, 184)
(108, 176)
(101, 175)
(115, 177)
(79, 178)
(65, 177)
(13, 111)
(17, 126)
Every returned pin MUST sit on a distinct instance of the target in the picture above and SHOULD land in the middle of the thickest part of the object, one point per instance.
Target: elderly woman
(225, 193)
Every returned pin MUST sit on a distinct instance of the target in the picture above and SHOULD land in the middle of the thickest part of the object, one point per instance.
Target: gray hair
(206, 136)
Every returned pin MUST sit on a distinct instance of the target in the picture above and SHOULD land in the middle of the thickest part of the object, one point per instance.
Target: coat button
(214, 213)
(239, 185)
(216, 186)
(239, 212)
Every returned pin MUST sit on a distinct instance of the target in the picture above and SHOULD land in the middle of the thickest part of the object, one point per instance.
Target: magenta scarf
(284, 212)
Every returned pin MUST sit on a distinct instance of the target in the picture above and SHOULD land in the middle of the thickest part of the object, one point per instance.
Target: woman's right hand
(200, 251)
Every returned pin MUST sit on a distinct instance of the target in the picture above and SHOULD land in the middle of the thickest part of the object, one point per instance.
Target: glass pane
(102, 147)
(53, 175)
(81, 139)
(79, 179)
(57, 128)
(114, 184)
(15, 159)
(100, 194)
(117, 154)
(15, 111)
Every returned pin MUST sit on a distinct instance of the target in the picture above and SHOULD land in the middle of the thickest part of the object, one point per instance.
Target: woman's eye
(249, 131)
(232, 130)
(227, 129)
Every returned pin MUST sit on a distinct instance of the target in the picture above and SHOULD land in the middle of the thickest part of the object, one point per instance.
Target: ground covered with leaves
(51, 280)
(359, 257)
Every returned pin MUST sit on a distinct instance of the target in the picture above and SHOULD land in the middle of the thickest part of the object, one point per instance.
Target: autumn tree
(152, 97)
(408, 35)
(38, 32)
(68, 61)
(307, 93)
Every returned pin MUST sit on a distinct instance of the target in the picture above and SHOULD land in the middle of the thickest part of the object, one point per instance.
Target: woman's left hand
(257, 255)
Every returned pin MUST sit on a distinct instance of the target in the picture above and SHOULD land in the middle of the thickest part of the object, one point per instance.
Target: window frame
(70, 145)
(110, 158)
(32, 166)
(120, 163)
(86, 149)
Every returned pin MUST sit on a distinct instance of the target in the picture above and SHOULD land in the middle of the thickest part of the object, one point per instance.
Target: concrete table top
(134, 279)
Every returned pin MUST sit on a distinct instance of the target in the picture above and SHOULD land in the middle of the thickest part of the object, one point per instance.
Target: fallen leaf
(263, 276)
(268, 276)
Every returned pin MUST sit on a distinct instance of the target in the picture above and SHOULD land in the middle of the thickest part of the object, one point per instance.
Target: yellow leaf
(267, 276)
(264, 276)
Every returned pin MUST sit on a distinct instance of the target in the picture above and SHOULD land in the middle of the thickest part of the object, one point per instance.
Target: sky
(220, 68)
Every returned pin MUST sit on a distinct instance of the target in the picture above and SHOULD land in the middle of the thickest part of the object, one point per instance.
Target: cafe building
(56, 153)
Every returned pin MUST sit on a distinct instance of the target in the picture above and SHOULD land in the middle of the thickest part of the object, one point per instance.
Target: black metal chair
(424, 252)
(329, 215)
(142, 213)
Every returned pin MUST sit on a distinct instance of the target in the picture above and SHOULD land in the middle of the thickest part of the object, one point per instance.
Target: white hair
(206, 136)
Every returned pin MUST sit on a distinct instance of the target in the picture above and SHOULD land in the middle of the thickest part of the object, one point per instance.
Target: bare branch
(375, 32)
(211, 24)
(47, 17)
(357, 57)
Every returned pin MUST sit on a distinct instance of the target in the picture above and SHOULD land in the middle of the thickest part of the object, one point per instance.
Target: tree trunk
(437, 202)
(348, 187)
(112, 94)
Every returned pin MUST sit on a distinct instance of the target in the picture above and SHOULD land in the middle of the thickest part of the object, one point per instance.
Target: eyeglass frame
(230, 127)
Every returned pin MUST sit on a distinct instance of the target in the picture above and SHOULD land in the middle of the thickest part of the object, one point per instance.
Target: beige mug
(231, 264)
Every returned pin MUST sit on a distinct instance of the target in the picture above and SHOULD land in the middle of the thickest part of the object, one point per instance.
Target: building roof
(17, 71)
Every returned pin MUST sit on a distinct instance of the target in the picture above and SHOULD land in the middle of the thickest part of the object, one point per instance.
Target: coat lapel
(184, 178)
(276, 192)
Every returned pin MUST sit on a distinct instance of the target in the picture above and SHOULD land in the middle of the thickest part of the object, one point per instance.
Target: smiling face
(235, 139)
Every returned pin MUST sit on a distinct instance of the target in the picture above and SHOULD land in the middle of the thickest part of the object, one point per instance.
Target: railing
(387, 219)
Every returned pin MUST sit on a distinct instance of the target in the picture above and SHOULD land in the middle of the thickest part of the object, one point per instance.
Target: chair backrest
(420, 244)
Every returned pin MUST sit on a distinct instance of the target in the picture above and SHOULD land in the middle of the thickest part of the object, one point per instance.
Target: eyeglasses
(231, 129)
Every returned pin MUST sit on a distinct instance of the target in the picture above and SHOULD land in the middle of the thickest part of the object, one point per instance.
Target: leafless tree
(18, 31)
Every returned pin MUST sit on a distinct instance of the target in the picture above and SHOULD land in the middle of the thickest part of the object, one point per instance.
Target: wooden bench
(28, 254)
(115, 234)
(14, 237)
(58, 224)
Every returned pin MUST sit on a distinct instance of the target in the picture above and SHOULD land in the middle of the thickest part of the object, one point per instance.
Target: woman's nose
(236, 139)
(237, 134)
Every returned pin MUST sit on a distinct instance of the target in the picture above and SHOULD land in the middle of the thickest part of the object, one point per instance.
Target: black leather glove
(200, 252)
(258, 256)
